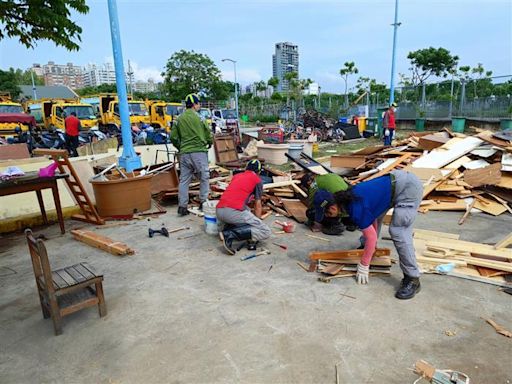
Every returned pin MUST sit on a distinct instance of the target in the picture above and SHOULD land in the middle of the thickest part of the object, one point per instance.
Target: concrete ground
(180, 311)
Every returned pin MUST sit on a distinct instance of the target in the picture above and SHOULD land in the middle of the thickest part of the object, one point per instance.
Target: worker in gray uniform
(367, 203)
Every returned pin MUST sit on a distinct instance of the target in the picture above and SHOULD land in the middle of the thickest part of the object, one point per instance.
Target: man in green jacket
(192, 137)
(331, 183)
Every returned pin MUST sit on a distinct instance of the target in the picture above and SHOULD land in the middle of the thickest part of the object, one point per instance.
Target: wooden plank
(427, 189)
(390, 167)
(58, 281)
(297, 209)
(346, 253)
(102, 242)
(498, 328)
(429, 142)
(381, 261)
(77, 276)
(425, 233)
(14, 152)
(347, 161)
(439, 158)
(66, 277)
(280, 184)
(505, 242)
(490, 175)
(299, 190)
(458, 163)
(459, 205)
(468, 246)
(488, 272)
(491, 207)
(437, 261)
(498, 265)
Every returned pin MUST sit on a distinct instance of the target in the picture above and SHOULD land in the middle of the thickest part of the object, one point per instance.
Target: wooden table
(32, 182)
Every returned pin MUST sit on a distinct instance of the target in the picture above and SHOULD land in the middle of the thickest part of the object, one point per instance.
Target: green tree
(32, 20)
(189, 71)
(102, 88)
(221, 90)
(9, 83)
(430, 61)
(349, 68)
(25, 77)
(273, 82)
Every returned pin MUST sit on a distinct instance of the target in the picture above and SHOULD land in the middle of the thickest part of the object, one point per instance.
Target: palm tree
(348, 69)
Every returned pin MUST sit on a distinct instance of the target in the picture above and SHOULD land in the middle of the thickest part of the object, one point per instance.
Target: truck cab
(12, 115)
(107, 105)
(51, 113)
(227, 121)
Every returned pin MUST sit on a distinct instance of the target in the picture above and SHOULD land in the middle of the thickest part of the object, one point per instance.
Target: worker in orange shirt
(73, 126)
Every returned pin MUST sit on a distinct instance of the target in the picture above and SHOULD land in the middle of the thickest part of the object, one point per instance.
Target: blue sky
(328, 34)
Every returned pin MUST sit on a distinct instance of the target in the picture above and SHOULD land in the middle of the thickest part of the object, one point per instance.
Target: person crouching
(232, 209)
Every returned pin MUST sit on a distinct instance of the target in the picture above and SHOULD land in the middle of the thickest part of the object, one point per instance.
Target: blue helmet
(254, 165)
(192, 98)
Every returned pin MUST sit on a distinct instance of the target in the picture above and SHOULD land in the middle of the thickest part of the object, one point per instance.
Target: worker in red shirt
(73, 126)
(389, 124)
(232, 209)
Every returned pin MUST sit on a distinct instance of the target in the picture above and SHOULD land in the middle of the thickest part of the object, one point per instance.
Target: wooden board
(498, 265)
(458, 163)
(491, 207)
(432, 141)
(505, 242)
(505, 182)
(342, 254)
(102, 242)
(14, 152)
(467, 246)
(225, 149)
(296, 209)
(347, 161)
(427, 234)
(459, 205)
(490, 175)
(439, 158)
(488, 272)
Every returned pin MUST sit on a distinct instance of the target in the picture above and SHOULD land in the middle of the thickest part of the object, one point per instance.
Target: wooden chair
(66, 290)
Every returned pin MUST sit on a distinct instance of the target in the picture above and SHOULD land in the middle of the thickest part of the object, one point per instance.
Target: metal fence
(482, 98)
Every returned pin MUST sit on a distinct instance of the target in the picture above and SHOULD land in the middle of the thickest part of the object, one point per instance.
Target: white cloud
(140, 73)
(146, 73)
(244, 75)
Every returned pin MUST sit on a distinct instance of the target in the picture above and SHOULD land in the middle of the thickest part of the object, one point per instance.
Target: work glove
(386, 132)
(316, 227)
(362, 273)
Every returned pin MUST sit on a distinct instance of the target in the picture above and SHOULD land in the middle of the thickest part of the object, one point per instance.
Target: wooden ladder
(89, 212)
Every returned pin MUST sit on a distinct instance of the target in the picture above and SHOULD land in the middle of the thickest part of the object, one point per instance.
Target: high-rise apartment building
(60, 74)
(284, 60)
(94, 75)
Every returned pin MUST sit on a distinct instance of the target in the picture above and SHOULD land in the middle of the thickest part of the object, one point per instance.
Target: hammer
(253, 255)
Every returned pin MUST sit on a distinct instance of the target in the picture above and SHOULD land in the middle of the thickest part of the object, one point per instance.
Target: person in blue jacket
(367, 203)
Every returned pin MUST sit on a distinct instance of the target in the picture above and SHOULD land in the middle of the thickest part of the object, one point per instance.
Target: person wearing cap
(389, 124)
(367, 203)
(331, 183)
(232, 209)
(192, 137)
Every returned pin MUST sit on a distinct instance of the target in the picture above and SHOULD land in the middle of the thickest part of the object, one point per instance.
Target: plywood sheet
(438, 158)
(492, 207)
(490, 175)
(295, 208)
(14, 152)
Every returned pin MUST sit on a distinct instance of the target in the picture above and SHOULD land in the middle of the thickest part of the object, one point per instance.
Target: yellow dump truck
(106, 106)
(51, 113)
(163, 114)
(12, 116)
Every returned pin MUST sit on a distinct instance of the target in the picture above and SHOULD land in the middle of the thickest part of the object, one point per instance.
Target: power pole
(395, 25)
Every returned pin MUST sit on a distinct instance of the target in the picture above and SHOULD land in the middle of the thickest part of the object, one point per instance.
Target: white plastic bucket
(210, 217)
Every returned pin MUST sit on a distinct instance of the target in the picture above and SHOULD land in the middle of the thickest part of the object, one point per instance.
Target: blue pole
(129, 159)
(396, 24)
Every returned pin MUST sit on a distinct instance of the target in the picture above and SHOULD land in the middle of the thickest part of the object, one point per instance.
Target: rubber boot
(409, 287)
(183, 211)
(333, 230)
(234, 234)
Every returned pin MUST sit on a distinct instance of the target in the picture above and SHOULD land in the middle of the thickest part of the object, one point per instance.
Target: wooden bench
(66, 290)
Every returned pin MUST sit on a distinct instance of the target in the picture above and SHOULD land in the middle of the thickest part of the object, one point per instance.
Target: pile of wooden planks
(342, 263)
(459, 172)
(488, 263)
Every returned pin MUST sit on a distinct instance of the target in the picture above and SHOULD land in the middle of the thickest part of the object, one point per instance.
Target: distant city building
(94, 75)
(284, 60)
(145, 86)
(266, 93)
(313, 89)
(68, 74)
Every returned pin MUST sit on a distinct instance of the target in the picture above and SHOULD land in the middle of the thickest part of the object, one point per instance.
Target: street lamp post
(129, 159)
(395, 25)
(236, 87)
